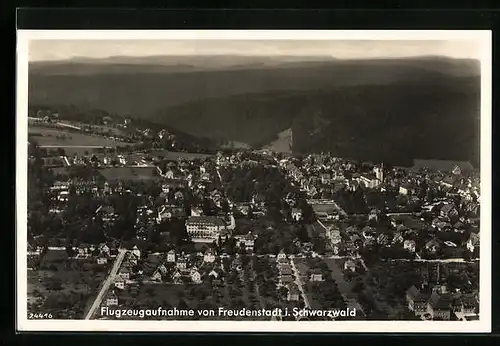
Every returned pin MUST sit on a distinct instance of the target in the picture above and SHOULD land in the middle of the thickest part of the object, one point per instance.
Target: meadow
(48, 137)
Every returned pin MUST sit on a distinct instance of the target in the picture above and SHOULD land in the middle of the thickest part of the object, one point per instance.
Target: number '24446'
(33, 316)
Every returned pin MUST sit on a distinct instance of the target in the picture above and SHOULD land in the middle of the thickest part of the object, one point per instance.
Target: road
(107, 283)
(344, 287)
(298, 282)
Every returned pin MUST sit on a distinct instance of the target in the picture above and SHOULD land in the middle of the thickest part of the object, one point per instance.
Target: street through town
(298, 282)
(107, 283)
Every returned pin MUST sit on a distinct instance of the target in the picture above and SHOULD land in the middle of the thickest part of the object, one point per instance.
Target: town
(123, 215)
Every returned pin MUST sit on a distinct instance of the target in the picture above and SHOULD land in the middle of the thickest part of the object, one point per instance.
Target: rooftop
(441, 165)
(207, 220)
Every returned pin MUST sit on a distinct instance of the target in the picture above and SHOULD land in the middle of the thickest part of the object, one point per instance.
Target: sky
(50, 50)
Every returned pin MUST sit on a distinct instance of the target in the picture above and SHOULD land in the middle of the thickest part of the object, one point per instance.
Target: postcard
(253, 181)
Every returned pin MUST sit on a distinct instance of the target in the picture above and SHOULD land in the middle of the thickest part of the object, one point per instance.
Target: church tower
(379, 173)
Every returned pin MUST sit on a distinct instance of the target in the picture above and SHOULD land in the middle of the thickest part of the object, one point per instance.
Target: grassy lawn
(61, 138)
(174, 155)
(63, 287)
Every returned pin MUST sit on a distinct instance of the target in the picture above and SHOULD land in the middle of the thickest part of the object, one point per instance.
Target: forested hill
(391, 109)
(396, 122)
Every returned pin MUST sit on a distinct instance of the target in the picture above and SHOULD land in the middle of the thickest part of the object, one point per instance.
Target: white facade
(204, 229)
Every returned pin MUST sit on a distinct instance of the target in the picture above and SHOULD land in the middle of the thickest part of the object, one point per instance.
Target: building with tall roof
(204, 229)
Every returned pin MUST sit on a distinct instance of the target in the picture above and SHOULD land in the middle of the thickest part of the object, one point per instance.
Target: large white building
(204, 229)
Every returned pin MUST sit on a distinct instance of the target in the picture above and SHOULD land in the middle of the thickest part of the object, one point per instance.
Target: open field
(62, 286)
(175, 155)
(60, 138)
(129, 173)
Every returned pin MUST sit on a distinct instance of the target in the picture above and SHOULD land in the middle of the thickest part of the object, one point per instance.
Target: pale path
(298, 281)
(107, 283)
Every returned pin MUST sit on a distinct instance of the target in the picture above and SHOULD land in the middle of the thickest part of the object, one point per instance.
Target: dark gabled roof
(286, 278)
(447, 208)
(413, 292)
(316, 271)
(293, 288)
(208, 220)
(441, 302)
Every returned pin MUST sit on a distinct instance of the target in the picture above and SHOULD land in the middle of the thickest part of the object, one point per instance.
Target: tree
(225, 206)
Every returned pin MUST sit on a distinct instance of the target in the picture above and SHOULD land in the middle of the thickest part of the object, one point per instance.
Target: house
(281, 255)
(286, 270)
(469, 304)
(178, 196)
(195, 275)
(249, 241)
(316, 275)
(124, 273)
(284, 280)
(369, 181)
(373, 215)
(439, 306)
(368, 232)
(456, 303)
(83, 250)
(136, 251)
(296, 214)
(258, 199)
(333, 234)
(34, 250)
(293, 292)
(204, 229)
(459, 227)
(236, 264)
(164, 214)
(397, 238)
(243, 209)
(181, 264)
(349, 265)
(209, 255)
(102, 260)
(171, 256)
(215, 274)
(282, 262)
(448, 211)
(169, 174)
(119, 282)
(409, 245)
(417, 301)
(157, 276)
(442, 165)
(132, 258)
(432, 246)
(104, 250)
(407, 189)
(326, 178)
(112, 299)
(177, 277)
(196, 211)
(382, 239)
(473, 242)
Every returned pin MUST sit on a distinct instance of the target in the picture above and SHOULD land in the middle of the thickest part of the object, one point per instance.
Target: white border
(483, 325)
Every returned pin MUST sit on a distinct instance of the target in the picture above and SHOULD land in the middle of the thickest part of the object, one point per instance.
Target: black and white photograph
(272, 181)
